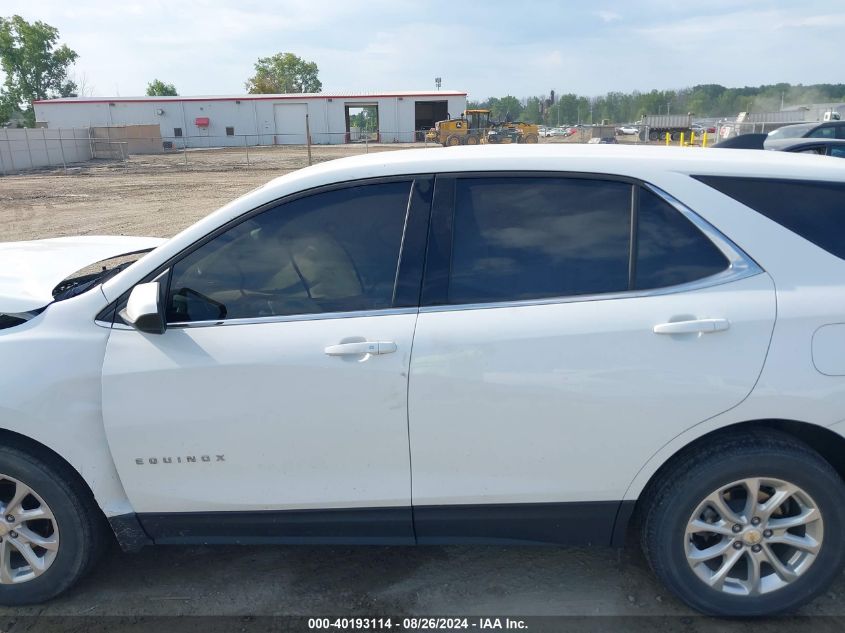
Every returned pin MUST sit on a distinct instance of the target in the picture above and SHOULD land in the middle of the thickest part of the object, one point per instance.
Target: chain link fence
(82, 150)
(77, 150)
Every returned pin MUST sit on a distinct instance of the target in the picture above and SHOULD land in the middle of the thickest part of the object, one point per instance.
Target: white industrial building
(259, 119)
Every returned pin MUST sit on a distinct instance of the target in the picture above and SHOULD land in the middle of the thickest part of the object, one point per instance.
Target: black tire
(653, 135)
(83, 530)
(670, 502)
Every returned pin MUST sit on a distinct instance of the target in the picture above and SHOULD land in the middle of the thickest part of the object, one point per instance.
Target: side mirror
(145, 309)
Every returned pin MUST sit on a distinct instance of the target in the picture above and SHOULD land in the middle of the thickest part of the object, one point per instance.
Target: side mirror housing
(145, 309)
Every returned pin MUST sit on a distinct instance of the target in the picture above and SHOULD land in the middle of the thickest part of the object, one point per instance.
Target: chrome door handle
(698, 326)
(364, 347)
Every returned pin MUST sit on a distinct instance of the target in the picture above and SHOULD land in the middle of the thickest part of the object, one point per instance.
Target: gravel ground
(128, 592)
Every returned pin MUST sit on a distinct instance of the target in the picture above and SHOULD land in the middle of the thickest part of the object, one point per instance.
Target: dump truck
(476, 126)
(657, 125)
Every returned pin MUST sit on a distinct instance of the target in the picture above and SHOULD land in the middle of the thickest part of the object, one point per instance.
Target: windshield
(791, 131)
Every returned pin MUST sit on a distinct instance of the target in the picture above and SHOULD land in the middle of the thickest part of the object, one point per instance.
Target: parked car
(701, 128)
(743, 141)
(817, 129)
(602, 140)
(822, 146)
(627, 130)
(464, 345)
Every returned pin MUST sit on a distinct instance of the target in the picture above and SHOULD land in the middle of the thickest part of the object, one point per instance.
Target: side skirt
(573, 524)
(600, 523)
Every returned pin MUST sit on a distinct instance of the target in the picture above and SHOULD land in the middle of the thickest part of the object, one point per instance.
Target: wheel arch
(39, 449)
(829, 444)
(125, 527)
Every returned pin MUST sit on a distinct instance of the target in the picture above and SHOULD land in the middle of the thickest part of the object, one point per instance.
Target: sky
(483, 47)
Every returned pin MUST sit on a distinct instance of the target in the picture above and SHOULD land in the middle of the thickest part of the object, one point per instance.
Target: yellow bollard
(704, 140)
(682, 140)
(692, 138)
(668, 138)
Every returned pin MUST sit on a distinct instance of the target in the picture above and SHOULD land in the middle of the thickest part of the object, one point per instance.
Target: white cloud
(608, 16)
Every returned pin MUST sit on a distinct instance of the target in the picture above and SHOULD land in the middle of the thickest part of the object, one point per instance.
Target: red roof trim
(251, 98)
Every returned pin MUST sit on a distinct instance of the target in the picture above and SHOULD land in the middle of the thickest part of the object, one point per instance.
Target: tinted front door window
(528, 238)
(335, 251)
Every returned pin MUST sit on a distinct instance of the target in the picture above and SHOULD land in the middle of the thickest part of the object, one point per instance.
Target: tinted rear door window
(534, 237)
(670, 249)
(814, 210)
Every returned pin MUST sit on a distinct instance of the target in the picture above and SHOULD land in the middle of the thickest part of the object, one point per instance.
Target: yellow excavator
(475, 127)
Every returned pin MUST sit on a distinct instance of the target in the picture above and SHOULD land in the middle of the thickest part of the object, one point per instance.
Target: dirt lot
(158, 196)
(149, 195)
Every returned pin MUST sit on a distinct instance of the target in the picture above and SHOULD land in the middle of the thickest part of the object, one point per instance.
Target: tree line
(707, 100)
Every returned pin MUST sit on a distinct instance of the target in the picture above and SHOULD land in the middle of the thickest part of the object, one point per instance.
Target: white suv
(485, 344)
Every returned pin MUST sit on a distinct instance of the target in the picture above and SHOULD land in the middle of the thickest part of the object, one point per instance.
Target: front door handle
(363, 347)
(697, 326)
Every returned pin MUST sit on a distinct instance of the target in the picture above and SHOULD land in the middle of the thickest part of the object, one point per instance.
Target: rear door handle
(698, 326)
(363, 347)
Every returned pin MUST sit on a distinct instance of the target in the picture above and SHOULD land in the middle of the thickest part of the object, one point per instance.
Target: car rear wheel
(746, 526)
(51, 531)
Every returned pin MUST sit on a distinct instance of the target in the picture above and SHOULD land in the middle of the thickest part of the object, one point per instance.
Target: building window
(230, 131)
(177, 131)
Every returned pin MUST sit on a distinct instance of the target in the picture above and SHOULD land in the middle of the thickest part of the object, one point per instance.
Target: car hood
(30, 270)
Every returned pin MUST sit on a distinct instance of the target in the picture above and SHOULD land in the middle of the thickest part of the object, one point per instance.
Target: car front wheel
(746, 525)
(51, 531)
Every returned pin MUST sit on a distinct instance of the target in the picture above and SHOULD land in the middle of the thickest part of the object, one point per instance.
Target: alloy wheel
(754, 536)
(29, 535)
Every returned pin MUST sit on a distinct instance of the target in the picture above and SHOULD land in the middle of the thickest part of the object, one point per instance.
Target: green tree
(505, 107)
(34, 65)
(6, 111)
(157, 88)
(531, 112)
(284, 73)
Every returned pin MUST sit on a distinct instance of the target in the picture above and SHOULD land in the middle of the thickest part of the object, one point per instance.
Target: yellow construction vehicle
(475, 127)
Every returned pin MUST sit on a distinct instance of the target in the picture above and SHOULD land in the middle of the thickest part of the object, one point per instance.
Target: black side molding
(602, 523)
(352, 526)
(574, 524)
